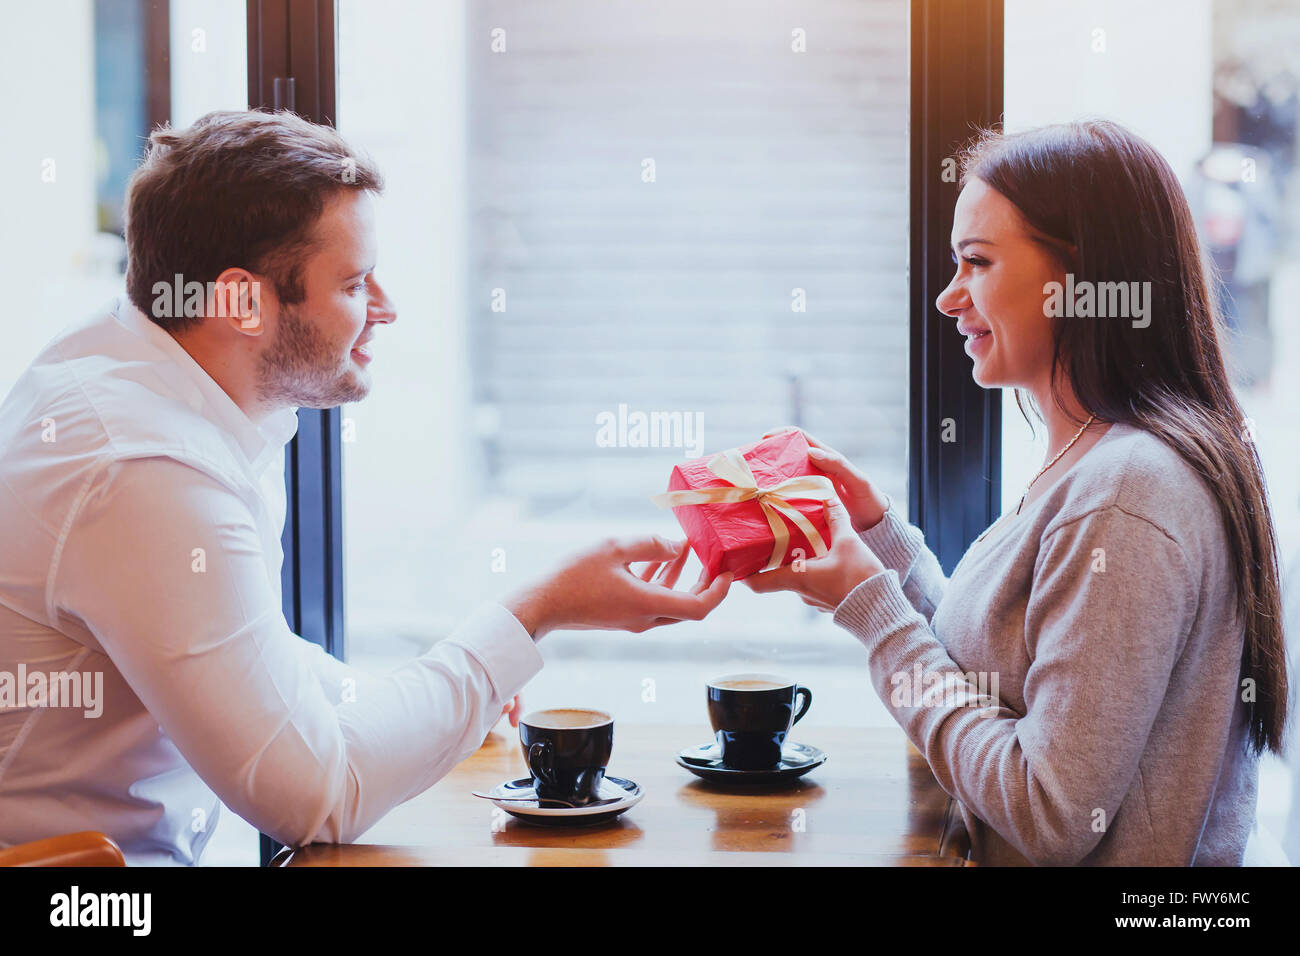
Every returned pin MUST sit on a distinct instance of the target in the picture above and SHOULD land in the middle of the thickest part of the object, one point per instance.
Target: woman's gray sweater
(1101, 622)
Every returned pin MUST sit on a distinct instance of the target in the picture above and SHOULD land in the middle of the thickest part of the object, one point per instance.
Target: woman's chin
(986, 377)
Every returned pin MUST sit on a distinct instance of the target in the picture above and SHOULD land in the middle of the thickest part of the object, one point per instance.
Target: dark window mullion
(293, 42)
(955, 489)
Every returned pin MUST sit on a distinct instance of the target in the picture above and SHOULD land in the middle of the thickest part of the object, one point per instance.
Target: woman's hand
(825, 582)
(865, 505)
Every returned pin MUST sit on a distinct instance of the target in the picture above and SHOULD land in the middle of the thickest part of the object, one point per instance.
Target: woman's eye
(973, 260)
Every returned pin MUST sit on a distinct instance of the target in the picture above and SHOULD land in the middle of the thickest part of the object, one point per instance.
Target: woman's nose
(953, 298)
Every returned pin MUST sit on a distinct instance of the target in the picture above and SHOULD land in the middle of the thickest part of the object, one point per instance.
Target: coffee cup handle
(806, 694)
(541, 760)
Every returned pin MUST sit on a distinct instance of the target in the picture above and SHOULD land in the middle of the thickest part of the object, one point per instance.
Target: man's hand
(598, 589)
(866, 506)
(825, 582)
(514, 709)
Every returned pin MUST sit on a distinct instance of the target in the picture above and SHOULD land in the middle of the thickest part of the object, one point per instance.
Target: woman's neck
(1062, 429)
(1063, 424)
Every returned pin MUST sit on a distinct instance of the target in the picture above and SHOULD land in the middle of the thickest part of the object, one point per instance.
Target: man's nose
(382, 308)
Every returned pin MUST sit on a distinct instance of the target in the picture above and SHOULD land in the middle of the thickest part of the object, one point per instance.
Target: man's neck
(235, 381)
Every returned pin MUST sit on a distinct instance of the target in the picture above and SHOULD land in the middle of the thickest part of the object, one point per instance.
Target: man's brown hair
(235, 189)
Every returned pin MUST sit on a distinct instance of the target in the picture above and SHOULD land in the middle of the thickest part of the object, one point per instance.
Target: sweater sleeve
(901, 547)
(1112, 602)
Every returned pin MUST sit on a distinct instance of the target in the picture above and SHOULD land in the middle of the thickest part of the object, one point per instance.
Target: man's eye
(359, 287)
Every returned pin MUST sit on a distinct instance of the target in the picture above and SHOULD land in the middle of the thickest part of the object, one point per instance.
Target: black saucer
(706, 762)
(628, 792)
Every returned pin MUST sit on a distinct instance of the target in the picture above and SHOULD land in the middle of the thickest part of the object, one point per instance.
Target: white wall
(50, 245)
(51, 254)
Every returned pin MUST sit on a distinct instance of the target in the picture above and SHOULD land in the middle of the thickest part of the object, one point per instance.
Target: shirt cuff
(874, 608)
(500, 643)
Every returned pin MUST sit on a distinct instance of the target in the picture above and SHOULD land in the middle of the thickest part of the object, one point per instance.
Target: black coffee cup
(751, 716)
(566, 750)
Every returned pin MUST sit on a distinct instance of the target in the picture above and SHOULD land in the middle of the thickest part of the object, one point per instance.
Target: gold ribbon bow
(731, 467)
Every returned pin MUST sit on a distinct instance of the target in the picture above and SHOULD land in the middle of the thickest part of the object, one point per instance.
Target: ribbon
(731, 467)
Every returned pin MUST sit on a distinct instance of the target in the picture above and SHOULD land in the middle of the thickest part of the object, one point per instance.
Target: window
(618, 208)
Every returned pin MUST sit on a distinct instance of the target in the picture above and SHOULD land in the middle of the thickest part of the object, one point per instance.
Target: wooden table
(874, 802)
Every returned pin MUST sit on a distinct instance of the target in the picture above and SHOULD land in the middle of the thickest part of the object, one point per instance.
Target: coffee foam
(748, 684)
(751, 681)
(566, 718)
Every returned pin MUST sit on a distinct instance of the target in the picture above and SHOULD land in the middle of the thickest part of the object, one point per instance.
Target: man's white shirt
(140, 522)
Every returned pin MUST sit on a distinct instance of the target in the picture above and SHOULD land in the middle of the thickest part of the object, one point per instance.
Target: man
(150, 668)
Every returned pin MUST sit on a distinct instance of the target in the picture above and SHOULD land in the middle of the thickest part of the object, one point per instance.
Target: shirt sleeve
(901, 547)
(1103, 639)
(304, 747)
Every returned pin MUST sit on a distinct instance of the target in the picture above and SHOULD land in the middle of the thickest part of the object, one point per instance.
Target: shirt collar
(259, 443)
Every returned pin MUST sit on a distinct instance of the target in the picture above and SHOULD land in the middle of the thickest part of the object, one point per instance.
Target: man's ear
(236, 300)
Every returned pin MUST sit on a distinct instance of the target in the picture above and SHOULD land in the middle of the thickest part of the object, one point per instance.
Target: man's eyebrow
(967, 242)
(365, 271)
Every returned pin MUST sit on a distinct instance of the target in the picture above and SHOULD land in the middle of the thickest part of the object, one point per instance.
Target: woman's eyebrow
(966, 242)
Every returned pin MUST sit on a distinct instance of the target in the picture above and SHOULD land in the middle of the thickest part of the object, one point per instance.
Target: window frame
(955, 486)
(292, 48)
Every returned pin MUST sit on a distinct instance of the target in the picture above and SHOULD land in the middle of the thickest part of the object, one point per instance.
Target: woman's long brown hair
(1105, 192)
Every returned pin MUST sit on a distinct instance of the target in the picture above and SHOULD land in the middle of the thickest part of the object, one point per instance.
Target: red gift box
(737, 535)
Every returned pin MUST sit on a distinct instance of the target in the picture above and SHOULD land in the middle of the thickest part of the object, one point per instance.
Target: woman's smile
(979, 338)
(979, 344)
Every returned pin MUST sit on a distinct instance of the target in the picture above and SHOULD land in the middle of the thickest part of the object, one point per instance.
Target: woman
(1095, 681)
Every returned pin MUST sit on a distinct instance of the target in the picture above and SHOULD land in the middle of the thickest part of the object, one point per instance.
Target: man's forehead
(345, 228)
(347, 210)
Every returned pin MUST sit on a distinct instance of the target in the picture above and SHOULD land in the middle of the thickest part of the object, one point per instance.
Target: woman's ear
(1072, 256)
(1065, 254)
(1067, 257)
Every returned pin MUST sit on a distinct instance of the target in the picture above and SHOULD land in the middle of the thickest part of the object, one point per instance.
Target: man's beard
(299, 368)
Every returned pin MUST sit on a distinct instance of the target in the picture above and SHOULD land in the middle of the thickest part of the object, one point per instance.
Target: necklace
(1069, 445)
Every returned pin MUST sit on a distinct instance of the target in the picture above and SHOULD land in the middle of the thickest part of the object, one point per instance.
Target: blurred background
(695, 210)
